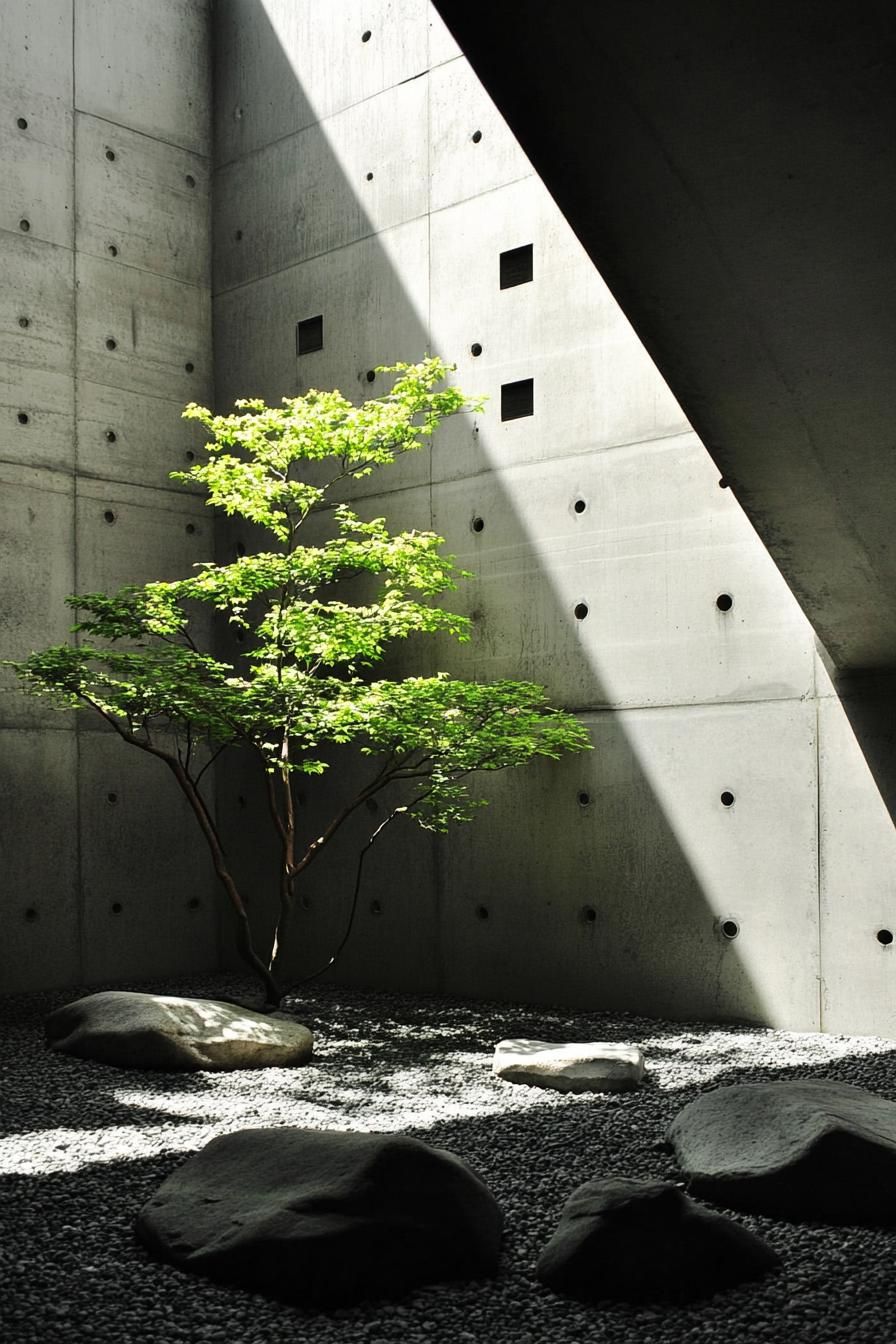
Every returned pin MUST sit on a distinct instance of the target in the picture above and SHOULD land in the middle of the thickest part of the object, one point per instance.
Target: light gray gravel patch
(82, 1146)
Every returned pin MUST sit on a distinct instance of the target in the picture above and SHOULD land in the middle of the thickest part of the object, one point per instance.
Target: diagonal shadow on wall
(350, 185)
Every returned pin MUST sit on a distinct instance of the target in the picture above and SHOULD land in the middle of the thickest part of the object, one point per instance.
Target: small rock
(591, 1066)
(155, 1031)
(801, 1149)
(642, 1241)
(324, 1218)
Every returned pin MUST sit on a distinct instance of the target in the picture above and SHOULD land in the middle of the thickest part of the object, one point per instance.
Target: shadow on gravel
(75, 1270)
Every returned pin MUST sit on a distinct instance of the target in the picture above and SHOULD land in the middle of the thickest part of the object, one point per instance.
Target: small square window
(517, 399)
(310, 335)
(516, 266)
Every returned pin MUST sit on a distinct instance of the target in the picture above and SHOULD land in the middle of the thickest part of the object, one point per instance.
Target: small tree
(302, 682)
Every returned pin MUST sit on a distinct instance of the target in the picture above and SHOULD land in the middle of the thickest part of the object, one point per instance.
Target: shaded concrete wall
(362, 174)
(371, 181)
(105, 333)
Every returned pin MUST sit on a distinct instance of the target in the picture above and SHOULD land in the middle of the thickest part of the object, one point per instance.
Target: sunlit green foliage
(301, 684)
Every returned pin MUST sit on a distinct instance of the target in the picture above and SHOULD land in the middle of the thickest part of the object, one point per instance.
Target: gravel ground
(84, 1145)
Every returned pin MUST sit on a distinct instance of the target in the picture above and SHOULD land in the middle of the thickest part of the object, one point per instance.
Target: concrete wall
(105, 332)
(363, 174)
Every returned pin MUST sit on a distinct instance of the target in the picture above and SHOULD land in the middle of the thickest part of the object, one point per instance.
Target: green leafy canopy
(301, 680)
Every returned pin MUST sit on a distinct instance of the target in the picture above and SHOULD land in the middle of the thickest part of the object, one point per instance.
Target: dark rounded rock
(324, 1218)
(643, 1241)
(801, 1149)
(156, 1031)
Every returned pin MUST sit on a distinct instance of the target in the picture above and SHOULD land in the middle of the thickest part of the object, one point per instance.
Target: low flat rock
(589, 1066)
(155, 1031)
(642, 1241)
(324, 1218)
(806, 1149)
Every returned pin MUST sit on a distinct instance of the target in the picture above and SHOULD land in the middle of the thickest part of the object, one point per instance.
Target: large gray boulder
(581, 1066)
(324, 1218)
(155, 1031)
(643, 1241)
(804, 1149)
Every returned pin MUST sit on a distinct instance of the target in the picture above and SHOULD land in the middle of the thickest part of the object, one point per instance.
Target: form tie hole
(475, 349)
(580, 506)
(366, 35)
(24, 323)
(476, 137)
(190, 455)
(111, 797)
(730, 928)
(371, 375)
(589, 914)
(241, 802)
(22, 123)
(240, 548)
(376, 908)
(110, 155)
(112, 250)
(370, 177)
(193, 903)
(884, 937)
(23, 418)
(24, 225)
(111, 343)
(724, 483)
(726, 798)
(580, 610)
(724, 601)
(372, 805)
(111, 436)
(117, 907)
(189, 366)
(190, 180)
(583, 798)
(31, 915)
(190, 529)
(238, 235)
(477, 524)
(481, 912)
(109, 516)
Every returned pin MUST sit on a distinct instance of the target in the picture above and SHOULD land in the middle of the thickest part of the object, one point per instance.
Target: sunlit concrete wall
(105, 333)
(362, 175)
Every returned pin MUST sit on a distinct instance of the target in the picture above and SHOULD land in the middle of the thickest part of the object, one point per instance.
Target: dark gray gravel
(83, 1146)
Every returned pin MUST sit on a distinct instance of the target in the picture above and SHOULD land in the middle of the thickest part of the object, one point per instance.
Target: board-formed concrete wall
(105, 333)
(363, 175)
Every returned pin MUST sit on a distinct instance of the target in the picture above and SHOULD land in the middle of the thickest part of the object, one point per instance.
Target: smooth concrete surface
(619, 877)
(731, 170)
(725, 851)
(104, 236)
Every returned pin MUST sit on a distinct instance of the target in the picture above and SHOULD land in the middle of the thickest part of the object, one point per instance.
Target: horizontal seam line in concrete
(321, 121)
(131, 391)
(622, 707)
(158, 139)
(143, 270)
(70, 475)
(363, 237)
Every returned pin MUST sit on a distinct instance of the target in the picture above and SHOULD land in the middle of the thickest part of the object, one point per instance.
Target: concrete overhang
(730, 166)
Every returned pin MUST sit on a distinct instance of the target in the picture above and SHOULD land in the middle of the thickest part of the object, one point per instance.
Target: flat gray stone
(324, 1218)
(587, 1066)
(155, 1031)
(642, 1241)
(806, 1149)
